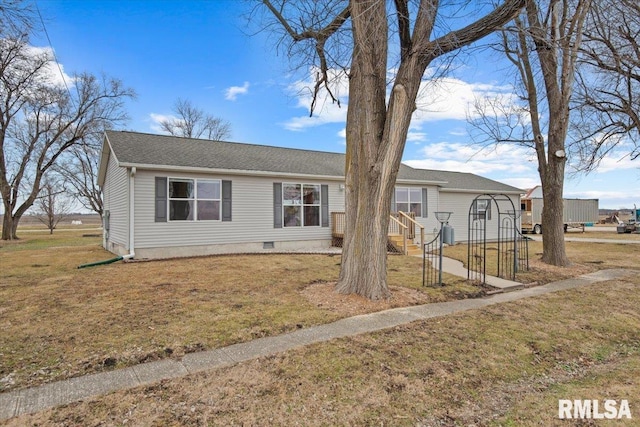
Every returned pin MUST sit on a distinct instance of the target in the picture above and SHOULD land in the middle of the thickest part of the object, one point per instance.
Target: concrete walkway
(621, 240)
(50, 395)
(456, 268)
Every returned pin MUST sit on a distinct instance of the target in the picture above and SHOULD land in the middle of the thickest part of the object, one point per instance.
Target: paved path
(538, 238)
(456, 268)
(50, 395)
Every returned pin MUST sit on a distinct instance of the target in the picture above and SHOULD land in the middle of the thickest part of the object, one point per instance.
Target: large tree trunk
(364, 254)
(557, 40)
(376, 135)
(9, 227)
(553, 246)
(377, 132)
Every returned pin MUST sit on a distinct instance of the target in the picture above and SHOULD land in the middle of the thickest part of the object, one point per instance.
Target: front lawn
(58, 322)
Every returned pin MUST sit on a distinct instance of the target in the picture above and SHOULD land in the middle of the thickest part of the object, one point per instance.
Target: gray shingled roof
(141, 149)
(468, 181)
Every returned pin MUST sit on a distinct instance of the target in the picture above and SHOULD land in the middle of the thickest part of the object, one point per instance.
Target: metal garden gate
(511, 246)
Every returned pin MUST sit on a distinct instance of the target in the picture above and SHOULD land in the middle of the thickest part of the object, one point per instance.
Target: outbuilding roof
(148, 151)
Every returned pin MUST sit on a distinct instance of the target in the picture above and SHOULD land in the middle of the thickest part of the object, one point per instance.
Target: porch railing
(396, 227)
(338, 222)
(405, 218)
(409, 220)
(400, 223)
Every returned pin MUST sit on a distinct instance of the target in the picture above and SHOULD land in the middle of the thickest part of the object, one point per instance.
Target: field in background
(30, 222)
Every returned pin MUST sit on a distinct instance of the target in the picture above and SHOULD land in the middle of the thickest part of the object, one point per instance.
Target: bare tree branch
(192, 122)
(40, 121)
(380, 107)
(52, 204)
(608, 100)
(319, 36)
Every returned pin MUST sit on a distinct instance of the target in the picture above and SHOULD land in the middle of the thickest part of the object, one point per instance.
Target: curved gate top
(512, 248)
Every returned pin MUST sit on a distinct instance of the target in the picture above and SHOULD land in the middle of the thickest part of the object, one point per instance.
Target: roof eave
(170, 168)
(420, 182)
(104, 160)
(475, 191)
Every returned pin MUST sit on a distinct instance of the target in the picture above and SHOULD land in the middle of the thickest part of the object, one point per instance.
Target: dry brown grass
(59, 322)
(585, 257)
(505, 365)
(605, 235)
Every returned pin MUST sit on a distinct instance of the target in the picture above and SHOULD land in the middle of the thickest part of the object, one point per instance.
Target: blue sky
(203, 51)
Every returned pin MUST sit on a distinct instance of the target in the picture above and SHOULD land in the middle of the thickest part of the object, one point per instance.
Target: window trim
(195, 199)
(418, 190)
(484, 210)
(318, 204)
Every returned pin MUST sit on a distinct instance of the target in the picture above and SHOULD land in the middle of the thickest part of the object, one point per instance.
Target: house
(167, 196)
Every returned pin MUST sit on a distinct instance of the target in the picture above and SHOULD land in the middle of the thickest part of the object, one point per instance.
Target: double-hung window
(194, 199)
(409, 199)
(482, 208)
(301, 205)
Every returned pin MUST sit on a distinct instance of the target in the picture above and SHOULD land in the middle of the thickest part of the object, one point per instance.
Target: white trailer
(576, 214)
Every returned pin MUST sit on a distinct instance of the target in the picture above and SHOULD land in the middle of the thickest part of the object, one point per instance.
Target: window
(181, 199)
(301, 205)
(409, 200)
(482, 208)
(191, 199)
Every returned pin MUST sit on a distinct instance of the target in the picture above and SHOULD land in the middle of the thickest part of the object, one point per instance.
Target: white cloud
(524, 183)
(509, 160)
(616, 161)
(596, 194)
(342, 134)
(458, 132)
(449, 98)
(416, 137)
(53, 72)
(231, 94)
(157, 118)
(442, 99)
(326, 110)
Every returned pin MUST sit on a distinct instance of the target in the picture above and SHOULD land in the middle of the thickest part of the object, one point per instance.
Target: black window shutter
(277, 205)
(161, 199)
(226, 200)
(324, 205)
(425, 193)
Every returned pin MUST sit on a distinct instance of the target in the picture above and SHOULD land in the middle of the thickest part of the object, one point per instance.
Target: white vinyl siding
(459, 204)
(116, 201)
(252, 214)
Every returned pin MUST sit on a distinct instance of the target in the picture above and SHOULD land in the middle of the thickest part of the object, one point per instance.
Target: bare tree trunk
(9, 227)
(377, 130)
(364, 255)
(553, 246)
(557, 34)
